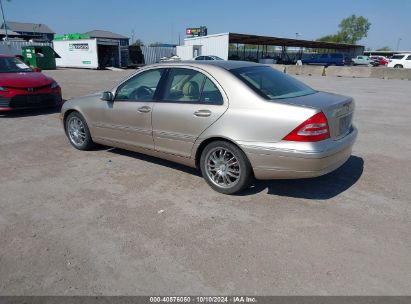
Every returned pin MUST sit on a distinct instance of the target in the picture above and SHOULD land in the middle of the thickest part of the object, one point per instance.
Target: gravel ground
(112, 222)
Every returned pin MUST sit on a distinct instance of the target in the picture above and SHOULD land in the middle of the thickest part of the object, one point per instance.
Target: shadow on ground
(155, 160)
(319, 188)
(30, 112)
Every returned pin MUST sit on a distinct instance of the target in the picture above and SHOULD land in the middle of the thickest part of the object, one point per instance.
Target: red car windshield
(13, 65)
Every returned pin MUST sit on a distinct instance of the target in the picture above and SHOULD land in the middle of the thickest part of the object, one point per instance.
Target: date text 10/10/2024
(203, 299)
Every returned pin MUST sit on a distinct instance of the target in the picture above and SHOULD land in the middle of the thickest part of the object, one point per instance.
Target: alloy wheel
(222, 167)
(76, 131)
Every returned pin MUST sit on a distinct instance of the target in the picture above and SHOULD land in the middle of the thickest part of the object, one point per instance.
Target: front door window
(141, 87)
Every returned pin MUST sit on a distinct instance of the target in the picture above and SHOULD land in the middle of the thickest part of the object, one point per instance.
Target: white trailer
(87, 53)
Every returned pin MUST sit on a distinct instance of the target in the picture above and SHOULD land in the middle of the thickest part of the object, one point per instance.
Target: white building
(216, 45)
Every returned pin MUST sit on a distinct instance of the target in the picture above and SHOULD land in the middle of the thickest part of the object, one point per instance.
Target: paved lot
(85, 223)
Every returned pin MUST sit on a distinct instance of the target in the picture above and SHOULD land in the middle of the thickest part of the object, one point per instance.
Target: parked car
(233, 120)
(171, 58)
(380, 59)
(364, 60)
(209, 57)
(22, 87)
(328, 59)
(400, 61)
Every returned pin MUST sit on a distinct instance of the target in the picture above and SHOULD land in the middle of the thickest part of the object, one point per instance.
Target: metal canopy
(275, 41)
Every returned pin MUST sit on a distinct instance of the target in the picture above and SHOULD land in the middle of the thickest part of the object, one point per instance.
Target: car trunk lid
(338, 109)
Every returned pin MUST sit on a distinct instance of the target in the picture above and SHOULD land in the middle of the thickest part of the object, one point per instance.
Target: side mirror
(36, 69)
(107, 96)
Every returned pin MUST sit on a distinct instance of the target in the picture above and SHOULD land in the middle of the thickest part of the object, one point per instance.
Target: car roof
(225, 64)
(6, 56)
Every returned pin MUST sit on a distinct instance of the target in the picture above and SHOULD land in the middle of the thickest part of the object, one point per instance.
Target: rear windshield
(271, 84)
(12, 65)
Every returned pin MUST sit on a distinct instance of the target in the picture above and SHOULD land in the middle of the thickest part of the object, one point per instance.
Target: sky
(163, 21)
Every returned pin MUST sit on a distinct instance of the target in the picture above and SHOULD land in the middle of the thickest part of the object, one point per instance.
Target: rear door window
(190, 86)
(210, 93)
(183, 85)
(397, 57)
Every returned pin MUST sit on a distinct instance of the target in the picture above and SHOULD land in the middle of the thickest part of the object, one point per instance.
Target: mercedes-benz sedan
(232, 120)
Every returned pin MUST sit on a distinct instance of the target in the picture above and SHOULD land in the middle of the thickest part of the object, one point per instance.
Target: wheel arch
(68, 112)
(209, 140)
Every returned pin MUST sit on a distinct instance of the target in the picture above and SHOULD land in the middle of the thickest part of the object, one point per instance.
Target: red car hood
(24, 80)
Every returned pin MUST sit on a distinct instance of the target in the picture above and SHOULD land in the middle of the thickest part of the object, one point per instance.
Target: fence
(152, 54)
(14, 47)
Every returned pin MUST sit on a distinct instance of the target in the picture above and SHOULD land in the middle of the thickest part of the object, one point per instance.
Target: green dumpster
(43, 57)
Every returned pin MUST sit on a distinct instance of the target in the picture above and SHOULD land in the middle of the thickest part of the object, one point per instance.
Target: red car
(380, 59)
(22, 88)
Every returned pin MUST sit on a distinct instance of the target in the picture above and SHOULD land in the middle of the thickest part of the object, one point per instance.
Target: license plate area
(34, 99)
(344, 125)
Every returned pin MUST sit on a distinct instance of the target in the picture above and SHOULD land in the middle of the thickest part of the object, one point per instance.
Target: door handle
(144, 109)
(202, 113)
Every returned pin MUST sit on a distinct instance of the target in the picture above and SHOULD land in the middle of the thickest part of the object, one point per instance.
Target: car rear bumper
(290, 160)
(30, 101)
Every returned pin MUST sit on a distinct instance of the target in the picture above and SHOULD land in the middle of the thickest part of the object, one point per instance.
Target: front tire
(78, 132)
(225, 167)
(398, 66)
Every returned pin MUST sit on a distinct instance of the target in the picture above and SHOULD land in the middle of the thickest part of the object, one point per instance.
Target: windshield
(13, 65)
(272, 84)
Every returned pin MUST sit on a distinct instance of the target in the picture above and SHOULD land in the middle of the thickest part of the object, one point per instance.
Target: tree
(155, 44)
(384, 49)
(138, 42)
(332, 38)
(352, 30)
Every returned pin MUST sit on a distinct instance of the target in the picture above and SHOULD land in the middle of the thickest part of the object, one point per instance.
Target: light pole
(4, 21)
(398, 44)
(301, 49)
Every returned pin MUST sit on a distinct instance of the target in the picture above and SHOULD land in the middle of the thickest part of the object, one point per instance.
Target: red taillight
(314, 128)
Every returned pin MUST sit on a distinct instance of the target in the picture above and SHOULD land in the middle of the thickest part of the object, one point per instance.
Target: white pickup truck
(364, 60)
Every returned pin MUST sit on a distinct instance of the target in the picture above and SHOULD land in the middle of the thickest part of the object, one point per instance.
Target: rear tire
(225, 167)
(78, 132)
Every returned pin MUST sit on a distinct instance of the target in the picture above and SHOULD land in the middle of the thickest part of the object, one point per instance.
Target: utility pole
(132, 36)
(301, 49)
(398, 44)
(4, 21)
